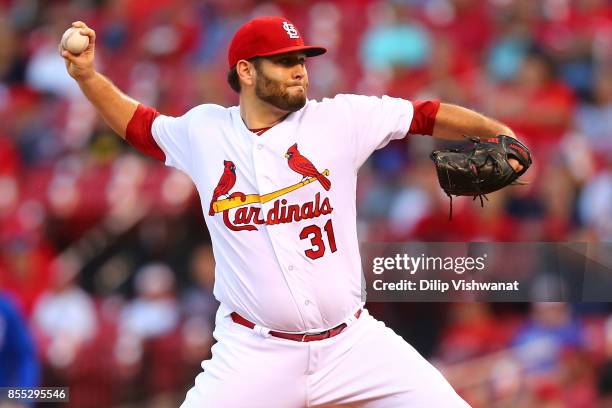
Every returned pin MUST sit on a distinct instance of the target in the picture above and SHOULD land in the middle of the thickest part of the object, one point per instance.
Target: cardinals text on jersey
(247, 217)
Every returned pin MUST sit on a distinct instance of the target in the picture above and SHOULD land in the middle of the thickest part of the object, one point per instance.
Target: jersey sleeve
(138, 132)
(172, 136)
(424, 117)
(161, 137)
(375, 122)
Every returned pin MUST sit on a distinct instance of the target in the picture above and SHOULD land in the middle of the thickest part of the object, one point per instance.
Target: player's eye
(290, 61)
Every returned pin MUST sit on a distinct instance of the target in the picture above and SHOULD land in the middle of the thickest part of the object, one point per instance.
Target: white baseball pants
(367, 365)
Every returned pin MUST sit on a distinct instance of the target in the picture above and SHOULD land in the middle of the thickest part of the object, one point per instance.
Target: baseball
(74, 41)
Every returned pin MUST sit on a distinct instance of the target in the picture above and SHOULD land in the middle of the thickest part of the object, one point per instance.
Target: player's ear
(246, 72)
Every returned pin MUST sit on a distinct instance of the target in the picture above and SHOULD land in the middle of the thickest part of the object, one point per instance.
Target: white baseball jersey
(280, 207)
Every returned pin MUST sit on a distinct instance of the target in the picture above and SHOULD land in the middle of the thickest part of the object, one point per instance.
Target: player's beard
(273, 92)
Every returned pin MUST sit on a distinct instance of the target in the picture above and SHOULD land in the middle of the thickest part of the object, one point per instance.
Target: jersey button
(260, 146)
(290, 267)
(307, 302)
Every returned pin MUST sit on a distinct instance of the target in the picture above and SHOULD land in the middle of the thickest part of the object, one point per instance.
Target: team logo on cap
(292, 32)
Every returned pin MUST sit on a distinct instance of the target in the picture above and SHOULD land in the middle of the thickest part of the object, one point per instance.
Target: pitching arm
(115, 107)
(131, 120)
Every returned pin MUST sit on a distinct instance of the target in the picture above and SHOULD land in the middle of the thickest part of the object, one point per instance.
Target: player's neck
(257, 114)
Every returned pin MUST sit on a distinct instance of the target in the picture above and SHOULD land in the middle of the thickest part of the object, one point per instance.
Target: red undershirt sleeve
(138, 132)
(424, 117)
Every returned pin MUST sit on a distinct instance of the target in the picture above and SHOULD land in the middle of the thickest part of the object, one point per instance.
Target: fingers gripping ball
(74, 41)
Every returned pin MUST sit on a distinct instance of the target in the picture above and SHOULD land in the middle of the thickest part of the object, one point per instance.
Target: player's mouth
(296, 89)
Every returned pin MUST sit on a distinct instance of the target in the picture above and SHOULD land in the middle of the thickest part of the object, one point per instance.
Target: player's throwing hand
(81, 67)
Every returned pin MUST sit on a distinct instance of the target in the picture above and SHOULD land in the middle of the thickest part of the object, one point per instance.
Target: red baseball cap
(265, 36)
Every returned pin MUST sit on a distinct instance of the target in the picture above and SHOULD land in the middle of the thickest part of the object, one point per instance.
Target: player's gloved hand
(81, 67)
(516, 165)
(485, 168)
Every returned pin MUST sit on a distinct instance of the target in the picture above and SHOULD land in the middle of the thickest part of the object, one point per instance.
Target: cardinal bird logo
(227, 181)
(303, 166)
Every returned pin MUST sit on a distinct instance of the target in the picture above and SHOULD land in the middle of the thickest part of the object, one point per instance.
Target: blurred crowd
(106, 254)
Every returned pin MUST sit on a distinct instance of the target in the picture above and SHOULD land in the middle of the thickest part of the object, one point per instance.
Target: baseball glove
(482, 169)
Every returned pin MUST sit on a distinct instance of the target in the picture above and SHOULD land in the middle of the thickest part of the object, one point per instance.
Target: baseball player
(276, 177)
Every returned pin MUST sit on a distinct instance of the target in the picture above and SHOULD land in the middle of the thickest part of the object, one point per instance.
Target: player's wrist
(86, 77)
(506, 131)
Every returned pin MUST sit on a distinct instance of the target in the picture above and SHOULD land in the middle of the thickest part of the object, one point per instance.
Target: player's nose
(298, 71)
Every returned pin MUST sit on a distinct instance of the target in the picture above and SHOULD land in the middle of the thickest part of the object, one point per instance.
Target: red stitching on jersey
(261, 131)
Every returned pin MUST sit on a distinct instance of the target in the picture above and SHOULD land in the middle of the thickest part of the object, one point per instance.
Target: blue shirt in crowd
(19, 365)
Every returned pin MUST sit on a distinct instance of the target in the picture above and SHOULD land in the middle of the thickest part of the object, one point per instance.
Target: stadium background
(106, 254)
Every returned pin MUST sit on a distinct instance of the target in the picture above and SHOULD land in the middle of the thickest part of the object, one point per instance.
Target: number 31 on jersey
(315, 234)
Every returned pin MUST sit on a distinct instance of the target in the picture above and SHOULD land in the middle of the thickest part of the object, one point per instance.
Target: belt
(301, 337)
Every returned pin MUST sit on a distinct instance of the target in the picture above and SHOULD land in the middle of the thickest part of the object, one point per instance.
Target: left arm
(452, 122)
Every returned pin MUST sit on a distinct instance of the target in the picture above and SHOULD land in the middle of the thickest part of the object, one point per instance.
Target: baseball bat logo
(247, 217)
